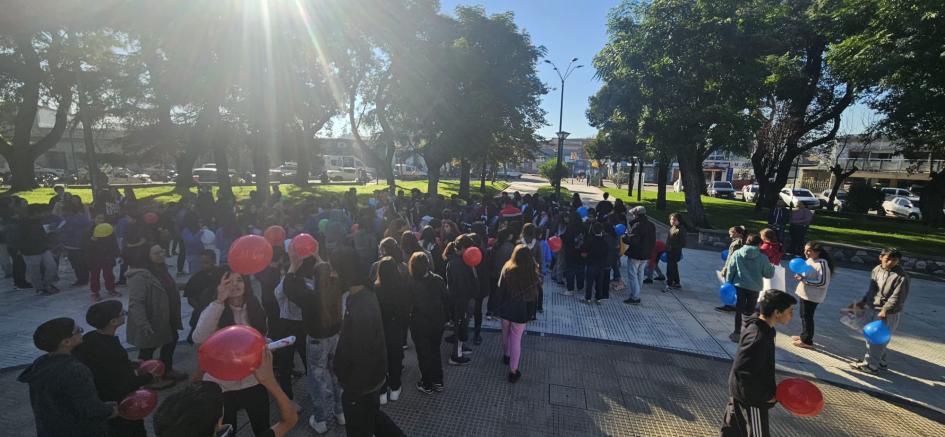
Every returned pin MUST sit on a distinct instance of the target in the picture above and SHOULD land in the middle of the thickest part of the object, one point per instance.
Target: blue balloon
(620, 229)
(582, 211)
(798, 265)
(664, 257)
(728, 294)
(724, 254)
(876, 332)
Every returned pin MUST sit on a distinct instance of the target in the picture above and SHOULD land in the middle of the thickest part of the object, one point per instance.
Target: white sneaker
(319, 427)
(340, 418)
(567, 293)
(383, 398)
(395, 394)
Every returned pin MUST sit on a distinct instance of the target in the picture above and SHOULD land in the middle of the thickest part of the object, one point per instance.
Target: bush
(549, 167)
(862, 197)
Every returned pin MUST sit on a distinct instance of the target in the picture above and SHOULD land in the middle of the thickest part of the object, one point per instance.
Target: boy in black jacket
(115, 375)
(751, 381)
(62, 391)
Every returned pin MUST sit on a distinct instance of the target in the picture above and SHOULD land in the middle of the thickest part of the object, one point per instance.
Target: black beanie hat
(48, 335)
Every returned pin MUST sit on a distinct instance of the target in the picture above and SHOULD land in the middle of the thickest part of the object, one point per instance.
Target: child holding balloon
(812, 289)
(888, 289)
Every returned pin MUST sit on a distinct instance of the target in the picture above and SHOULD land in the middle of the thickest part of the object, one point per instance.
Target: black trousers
(798, 237)
(393, 336)
(672, 267)
(121, 427)
(364, 418)
(477, 315)
(807, 321)
(181, 257)
(255, 400)
(594, 280)
(744, 306)
(460, 315)
(167, 353)
(427, 341)
(744, 421)
(283, 360)
(19, 268)
(574, 274)
(79, 265)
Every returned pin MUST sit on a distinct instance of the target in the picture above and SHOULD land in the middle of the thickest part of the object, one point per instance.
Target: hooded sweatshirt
(64, 399)
(747, 268)
(751, 381)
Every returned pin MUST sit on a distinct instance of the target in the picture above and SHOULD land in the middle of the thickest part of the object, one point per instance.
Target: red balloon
(150, 218)
(305, 245)
(472, 256)
(137, 405)
(154, 367)
(232, 353)
(554, 243)
(800, 397)
(249, 254)
(275, 235)
(660, 246)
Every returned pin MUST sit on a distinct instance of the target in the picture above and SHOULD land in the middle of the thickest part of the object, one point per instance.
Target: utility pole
(562, 135)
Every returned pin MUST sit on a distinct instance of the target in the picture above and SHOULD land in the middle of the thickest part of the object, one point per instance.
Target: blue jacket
(75, 230)
(748, 267)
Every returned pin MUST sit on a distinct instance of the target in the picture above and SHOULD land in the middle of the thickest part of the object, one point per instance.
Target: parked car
(795, 196)
(720, 189)
(509, 174)
(894, 192)
(901, 206)
(750, 193)
(838, 202)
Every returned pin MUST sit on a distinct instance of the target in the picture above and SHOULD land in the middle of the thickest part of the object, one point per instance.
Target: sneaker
(735, 336)
(883, 366)
(632, 301)
(587, 301)
(395, 395)
(438, 386)
(422, 388)
(458, 361)
(726, 309)
(340, 419)
(506, 359)
(863, 367)
(647, 281)
(383, 398)
(597, 301)
(52, 289)
(478, 340)
(603, 299)
(319, 427)
(567, 293)
(665, 289)
(514, 377)
(795, 338)
(467, 350)
(405, 347)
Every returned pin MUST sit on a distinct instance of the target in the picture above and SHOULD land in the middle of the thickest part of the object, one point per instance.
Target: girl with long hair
(518, 287)
(463, 284)
(812, 290)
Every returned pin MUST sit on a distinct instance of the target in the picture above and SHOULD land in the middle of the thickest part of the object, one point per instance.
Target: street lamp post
(561, 133)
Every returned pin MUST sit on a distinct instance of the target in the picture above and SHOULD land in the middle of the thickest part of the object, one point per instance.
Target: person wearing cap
(62, 389)
(102, 251)
(115, 375)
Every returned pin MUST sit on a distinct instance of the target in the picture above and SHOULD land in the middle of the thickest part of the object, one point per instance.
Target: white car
(795, 196)
(750, 193)
(720, 189)
(890, 193)
(838, 202)
(900, 206)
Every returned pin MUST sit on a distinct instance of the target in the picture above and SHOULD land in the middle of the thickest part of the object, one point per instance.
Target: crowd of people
(391, 268)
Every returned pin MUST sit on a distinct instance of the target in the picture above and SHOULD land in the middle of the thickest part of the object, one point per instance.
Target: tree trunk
(21, 163)
(933, 199)
(693, 183)
(482, 178)
(464, 175)
(633, 170)
(90, 158)
(185, 171)
(662, 174)
(433, 179)
(261, 167)
(838, 177)
(223, 169)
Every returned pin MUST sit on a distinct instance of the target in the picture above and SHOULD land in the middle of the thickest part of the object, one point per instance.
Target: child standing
(675, 243)
(103, 249)
(518, 285)
(751, 382)
(812, 289)
(771, 247)
(737, 234)
(426, 324)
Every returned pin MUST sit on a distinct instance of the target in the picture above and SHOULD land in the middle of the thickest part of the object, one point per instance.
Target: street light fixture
(561, 133)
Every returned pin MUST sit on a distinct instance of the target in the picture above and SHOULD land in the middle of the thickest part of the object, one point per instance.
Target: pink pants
(512, 342)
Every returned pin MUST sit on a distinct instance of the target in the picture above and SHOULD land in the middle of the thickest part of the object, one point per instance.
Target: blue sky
(570, 29)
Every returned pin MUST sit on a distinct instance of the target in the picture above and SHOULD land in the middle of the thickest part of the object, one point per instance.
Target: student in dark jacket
(201, 288)
(675, 242)
(62, 389)
(360, 359)
(34, 246)
(640, 240)
(462, 284)
(573, 241)
(595, 246)
(393, 294)
(115, 375)
(426, 323)
(751, 382)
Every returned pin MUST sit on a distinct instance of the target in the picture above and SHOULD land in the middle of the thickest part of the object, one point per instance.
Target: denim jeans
(41, 269)
(635, 276)
(323, 384)
(876, 353)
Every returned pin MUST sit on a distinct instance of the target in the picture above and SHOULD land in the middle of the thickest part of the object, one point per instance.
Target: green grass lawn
(857, 230)
(166, 194)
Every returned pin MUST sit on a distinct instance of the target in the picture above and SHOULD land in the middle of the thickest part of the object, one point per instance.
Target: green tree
(549, 170)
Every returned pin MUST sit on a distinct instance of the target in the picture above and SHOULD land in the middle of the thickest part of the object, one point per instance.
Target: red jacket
(774, 252)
